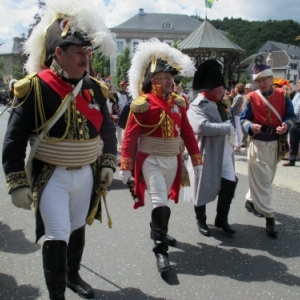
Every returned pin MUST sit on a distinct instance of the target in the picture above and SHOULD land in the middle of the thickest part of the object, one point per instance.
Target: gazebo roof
(206, 36)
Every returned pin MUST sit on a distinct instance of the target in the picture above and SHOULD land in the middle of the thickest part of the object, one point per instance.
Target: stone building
(10, 54)
(168, 28)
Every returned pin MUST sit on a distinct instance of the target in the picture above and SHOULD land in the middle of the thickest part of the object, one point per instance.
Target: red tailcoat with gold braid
(156, 117)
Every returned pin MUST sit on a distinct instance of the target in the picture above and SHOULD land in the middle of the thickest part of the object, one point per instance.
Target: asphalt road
(119, 262)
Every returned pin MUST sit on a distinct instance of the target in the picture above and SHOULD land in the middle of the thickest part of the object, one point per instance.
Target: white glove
(106, 177)
(231, 134)
(198, 170)
(22, 198)
(125, 175)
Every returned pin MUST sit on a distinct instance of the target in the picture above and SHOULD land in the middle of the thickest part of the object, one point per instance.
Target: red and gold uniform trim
(126, 163)
(196, 159)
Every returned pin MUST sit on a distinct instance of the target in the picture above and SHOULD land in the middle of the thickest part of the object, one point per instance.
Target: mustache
(82, 64)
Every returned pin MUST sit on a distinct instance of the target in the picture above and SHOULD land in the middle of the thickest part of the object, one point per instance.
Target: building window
(168, 24)
(295, 78)
(133, 45)
(120, 45)
(169, 42)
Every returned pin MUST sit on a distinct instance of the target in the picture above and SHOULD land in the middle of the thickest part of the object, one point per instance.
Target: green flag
(209, 3)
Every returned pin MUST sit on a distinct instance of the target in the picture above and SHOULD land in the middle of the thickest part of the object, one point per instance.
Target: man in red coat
(158, 124)
(267, 118)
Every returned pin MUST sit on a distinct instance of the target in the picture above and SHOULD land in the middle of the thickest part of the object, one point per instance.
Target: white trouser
(238, 131)
(228, 171)
(159, 173)
(65, 202)
(119, 132)
(262, 165)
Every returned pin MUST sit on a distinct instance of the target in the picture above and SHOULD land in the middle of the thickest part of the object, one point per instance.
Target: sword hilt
(131, 190)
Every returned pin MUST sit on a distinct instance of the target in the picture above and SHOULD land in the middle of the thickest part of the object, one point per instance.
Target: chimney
(141, 11)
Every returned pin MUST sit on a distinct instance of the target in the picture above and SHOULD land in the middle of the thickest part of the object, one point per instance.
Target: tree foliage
(251, 35)
(18, 70)
(122, 67)
(101, 64)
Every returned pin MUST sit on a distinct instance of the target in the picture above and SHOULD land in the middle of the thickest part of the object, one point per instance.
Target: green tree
(243, 79)
(251, 35)
(101, 64)
(122, 67)
(18, 70)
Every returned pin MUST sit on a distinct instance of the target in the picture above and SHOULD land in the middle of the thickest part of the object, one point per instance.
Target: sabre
(131, 190)
(4, 110)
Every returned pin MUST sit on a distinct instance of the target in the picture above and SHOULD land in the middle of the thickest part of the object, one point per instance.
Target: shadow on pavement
(14, 241)
(213, 260)
(9, 289)
(122, 293)
(254, 237)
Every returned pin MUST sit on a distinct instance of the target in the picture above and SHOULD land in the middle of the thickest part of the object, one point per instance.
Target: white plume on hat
(83, 17)
(154, 49)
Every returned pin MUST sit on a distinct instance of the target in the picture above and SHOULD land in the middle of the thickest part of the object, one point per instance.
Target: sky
(17, 15)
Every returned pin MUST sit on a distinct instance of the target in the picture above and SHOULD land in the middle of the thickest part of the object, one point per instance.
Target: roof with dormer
(292, 50)
(155, 22)
(280, 60)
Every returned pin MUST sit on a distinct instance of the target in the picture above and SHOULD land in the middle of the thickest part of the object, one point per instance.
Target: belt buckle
(73, 168)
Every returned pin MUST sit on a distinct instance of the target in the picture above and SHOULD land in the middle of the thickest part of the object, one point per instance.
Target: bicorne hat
(64, 23)
(153, 56)
(208, 76)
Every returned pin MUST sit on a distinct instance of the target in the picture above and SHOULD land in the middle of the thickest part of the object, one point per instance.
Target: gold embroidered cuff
(126, 164)
(196, 159)
(109, 161)
(16, 180)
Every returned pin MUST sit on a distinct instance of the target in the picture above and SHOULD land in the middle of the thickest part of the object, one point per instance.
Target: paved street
(119, 262)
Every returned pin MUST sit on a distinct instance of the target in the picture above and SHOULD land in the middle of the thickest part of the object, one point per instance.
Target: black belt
(268, 130)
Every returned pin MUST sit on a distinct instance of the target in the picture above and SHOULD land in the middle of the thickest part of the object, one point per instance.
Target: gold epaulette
(103, 86)
(180, 101)
(22, 86)
(140, 104)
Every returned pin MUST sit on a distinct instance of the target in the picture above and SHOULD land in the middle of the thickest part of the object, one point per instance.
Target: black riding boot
(226, 195)
(201, 219)
(170, 240)
(160, 220)
(271, 227)
(74, 254)
(55, 268)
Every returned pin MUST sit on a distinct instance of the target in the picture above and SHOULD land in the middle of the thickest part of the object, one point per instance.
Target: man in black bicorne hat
(212, 124)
